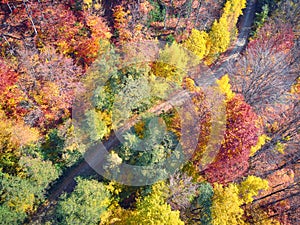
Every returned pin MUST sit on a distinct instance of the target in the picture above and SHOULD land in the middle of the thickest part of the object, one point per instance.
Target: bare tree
(263, 76)
(269, 66)
(287, 129)
(181, 189)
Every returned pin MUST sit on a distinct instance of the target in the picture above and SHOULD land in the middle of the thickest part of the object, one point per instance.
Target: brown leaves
(49, 81)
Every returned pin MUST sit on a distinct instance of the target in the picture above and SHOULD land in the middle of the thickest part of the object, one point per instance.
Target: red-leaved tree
(241, 133)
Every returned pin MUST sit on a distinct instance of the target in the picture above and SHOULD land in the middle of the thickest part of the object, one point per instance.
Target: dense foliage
(54, 53)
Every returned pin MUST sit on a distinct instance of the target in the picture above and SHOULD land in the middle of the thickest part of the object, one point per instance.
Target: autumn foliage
(10, 95)
(241, 134)
(64, 88)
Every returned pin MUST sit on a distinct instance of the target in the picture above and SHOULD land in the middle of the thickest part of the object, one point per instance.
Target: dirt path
(67, 182)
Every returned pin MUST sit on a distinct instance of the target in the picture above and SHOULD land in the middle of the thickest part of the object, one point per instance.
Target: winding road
(66, 182)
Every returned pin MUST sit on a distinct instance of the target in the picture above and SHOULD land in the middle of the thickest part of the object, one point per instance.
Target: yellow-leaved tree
(232, 10)
(13, 135)
(210, 45)
(226, 205)
(262, 139)
(251, 187)
(227, 201)
(197, 43)
(219, 37)
(172, 62)
(224, 30)
(225, 87)
(152, 210)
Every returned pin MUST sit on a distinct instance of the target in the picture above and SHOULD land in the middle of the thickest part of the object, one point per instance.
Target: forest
(149, 112)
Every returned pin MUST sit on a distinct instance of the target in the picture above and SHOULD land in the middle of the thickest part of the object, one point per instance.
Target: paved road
(67, 182)
(245, 27)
